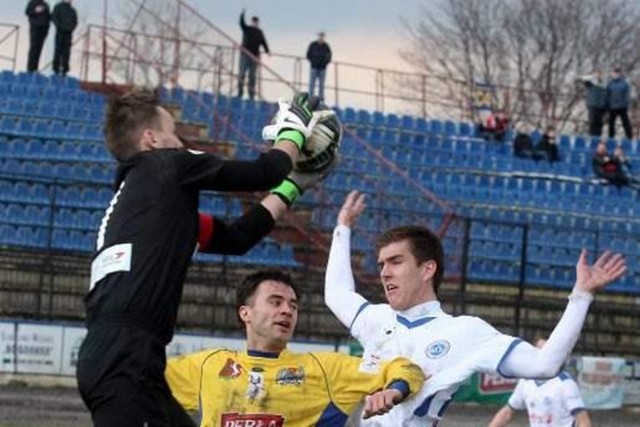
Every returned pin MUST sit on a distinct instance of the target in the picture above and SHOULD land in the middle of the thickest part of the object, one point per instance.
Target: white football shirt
(551, 403)
(449, 349)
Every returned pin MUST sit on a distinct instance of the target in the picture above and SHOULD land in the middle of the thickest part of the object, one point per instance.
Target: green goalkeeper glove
(294, 121)
(297, 182)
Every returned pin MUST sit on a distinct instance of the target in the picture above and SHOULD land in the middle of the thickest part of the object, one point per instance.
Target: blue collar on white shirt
(419, 314)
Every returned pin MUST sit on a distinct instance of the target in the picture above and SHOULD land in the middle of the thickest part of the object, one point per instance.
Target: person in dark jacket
(523, 144)
(319, 56)
(596, 98)
(39, 21)
(607, 166)
(252, 39)
(65, 19)
(548, 146)
(618, 98)
(625, 166)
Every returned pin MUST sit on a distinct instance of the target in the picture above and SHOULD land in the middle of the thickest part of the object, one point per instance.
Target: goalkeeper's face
(271, 317)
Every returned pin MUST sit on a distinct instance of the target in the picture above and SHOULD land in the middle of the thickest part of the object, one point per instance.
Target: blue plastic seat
(8, 125)
(450, 128)
(392, 121)
(14, 106)
(349, 115)
(435, 126)
(363, 117)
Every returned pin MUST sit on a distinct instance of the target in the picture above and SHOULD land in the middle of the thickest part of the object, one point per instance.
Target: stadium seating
(55, 169)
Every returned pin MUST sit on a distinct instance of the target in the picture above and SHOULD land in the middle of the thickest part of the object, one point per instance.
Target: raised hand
(608, 268)
(294, 120)
(351, 209)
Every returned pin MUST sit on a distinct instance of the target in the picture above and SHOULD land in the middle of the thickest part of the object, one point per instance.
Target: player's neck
(263, 346)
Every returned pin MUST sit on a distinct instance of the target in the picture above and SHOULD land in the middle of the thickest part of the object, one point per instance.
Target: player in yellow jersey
(268, 386)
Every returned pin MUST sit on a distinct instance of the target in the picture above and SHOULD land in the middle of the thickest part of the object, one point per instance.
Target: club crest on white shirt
(437, 349)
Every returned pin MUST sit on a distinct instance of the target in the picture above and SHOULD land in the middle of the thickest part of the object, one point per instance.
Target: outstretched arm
(239, 236)
(395, 381)
(243, 25)
(582, 419)
(339, 288)
(526, 361)
(502, 417)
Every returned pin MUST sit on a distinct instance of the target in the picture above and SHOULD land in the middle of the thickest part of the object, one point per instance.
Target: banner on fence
(38, 348)
(601, 381)
(486, 388)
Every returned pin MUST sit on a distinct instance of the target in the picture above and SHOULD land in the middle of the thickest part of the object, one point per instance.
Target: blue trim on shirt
(513, 345)
(265, 354)
(423, 409)
(402, 386)
(413, 324)
(575, 411)
(332, 417)
(362, 307)
(564, 376)
(445, 406)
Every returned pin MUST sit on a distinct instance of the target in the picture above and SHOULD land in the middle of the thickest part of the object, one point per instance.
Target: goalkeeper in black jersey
(147, 237)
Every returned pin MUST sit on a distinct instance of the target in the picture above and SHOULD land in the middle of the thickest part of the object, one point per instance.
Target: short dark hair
(255, 19)
(423, 244)
(126, 115)
(247, 288)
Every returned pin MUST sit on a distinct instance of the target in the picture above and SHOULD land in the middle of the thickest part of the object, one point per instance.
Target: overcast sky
(367, 32)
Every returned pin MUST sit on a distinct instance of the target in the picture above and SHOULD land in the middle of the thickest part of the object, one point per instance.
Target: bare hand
(351, 209)
(381, 402)
(607, 269)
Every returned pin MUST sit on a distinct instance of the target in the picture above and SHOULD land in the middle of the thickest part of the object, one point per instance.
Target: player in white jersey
(552, 403)
(412, 324)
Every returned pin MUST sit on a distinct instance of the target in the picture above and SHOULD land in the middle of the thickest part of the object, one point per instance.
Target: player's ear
(429, 269)
(148, 140)
(244, 313)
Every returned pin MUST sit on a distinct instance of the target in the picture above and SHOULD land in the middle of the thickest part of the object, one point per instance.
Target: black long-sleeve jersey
(150, 230)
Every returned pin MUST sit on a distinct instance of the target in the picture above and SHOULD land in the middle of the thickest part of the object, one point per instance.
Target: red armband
(205, 232)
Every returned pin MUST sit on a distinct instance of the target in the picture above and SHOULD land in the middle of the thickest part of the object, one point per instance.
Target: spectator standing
(65, 19)
(596, 98)
(618, 98)
(39, 22)
(608, 167)
(548, 146)
(252, 39)
(319, 56)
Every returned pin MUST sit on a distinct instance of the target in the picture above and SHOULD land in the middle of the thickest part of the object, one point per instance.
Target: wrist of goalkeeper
(288, 191)
(292, 135)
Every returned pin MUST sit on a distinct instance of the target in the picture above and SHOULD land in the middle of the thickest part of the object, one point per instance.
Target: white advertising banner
(7, 346)
(72, 338)
(38, 349)
(632, 384)
(183, 344)
(601, 381)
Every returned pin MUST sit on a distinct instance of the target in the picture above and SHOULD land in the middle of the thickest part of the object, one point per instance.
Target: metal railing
(9, 40)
